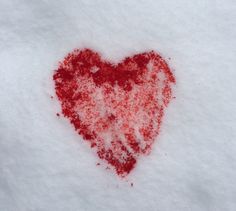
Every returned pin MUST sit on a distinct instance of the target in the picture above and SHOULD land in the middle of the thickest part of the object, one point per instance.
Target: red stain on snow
(117, 108)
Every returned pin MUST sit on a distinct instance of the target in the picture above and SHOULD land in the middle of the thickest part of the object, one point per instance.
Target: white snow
(45, 165)
(94, 69)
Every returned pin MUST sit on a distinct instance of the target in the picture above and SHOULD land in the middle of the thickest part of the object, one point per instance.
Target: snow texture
(45, 165)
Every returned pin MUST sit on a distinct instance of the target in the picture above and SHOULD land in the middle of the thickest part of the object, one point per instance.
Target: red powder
(117, 108)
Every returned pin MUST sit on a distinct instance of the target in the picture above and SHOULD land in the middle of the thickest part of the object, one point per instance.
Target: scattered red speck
(117, 108)
(98, 164)
(58, 114)
(131, 184)
(51, 97)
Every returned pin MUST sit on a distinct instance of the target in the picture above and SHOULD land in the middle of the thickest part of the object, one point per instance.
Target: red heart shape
(117, 108)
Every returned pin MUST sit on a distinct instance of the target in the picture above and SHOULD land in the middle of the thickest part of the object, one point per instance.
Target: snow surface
(45, 165)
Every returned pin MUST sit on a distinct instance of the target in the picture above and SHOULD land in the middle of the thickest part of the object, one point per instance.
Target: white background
(45, 165)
